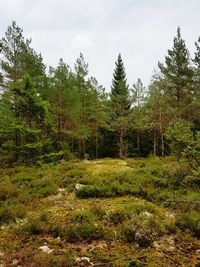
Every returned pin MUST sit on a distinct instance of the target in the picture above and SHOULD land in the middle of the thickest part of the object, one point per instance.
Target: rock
(46, 249)
(61, 190)
(79, 186)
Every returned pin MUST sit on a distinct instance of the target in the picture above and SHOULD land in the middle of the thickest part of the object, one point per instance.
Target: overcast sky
(141, 30)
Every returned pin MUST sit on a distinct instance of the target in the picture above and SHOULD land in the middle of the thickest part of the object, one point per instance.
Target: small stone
(79, 186)
(15, 262)
(46, 249)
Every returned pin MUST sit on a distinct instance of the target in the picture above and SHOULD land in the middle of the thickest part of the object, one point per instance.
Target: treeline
(60, 113)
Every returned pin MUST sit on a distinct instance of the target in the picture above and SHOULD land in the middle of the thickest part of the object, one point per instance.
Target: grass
(122, 216)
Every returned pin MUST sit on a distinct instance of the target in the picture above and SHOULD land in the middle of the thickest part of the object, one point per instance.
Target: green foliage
(119, 216)
(86, 231)
(184, 142)
(10, 212)
(190, 221)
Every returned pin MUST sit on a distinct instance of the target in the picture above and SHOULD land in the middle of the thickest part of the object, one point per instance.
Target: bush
(43, 188)
(190, 221)
(84, 232)
(89, 191)
(82, 217)
(98, 212)
(127, 232)
(10, 212)
(143, 230)
(7, 191)
(33, 226)
(119, 216)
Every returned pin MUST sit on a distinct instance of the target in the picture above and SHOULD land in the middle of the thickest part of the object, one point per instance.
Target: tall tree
(18, 58)
(120, 101)
(138, 92)
(177, 71)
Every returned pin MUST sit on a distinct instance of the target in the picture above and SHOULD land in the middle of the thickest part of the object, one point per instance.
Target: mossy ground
(131, 221)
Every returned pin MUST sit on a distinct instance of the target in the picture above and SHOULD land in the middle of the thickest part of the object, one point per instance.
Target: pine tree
(18, 58)
(138, 101)
(195, 109)
(178, 72)
(120, 102)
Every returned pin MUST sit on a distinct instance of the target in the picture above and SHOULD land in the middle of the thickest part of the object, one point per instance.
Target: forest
(64, 113)
(94, 176)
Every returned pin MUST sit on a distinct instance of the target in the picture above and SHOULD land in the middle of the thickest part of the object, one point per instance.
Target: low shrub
(32, 227)
(92, 191)
(98, 212)
(7, 190)
(11, 212)
(189, 221)
(119, 216)
(42, 188)
(84, 232)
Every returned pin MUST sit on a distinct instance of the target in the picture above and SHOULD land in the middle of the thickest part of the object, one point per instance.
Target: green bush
(42, 188)
(98, 211)
(127, 232)
(119, 216)
(84, 232)
(190, 221)
(82, 217)
(33, 227)
(11, 212)
(89, 191)
(7, 191)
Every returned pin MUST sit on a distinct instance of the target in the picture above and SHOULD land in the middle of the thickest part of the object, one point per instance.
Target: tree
(18, 58)
(120, 102)
(178, 72)
(65, 103)
(138, 92)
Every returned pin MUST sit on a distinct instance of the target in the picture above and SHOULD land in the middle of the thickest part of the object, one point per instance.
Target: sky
(141, 30)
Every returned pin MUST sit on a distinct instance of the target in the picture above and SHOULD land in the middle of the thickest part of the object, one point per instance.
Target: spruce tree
(120, 102)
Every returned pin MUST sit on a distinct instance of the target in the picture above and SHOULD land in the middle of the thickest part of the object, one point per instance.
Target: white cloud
(141, 30)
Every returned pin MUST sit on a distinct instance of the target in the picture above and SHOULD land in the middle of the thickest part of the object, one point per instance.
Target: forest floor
(134, 212)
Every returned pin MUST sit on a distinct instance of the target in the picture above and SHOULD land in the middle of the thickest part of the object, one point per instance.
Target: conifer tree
(120, 101)
(177, 71)
(138, 101)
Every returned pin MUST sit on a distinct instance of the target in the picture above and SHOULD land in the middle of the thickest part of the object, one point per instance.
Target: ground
(123, 214)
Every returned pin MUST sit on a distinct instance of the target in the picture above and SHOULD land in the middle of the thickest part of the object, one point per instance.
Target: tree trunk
(138, 143)
(121, 144)
(161, 129)
(96, 147)
(177, 103)
(154, 144)
(122, 147)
